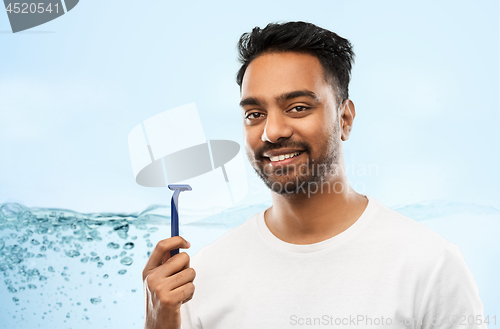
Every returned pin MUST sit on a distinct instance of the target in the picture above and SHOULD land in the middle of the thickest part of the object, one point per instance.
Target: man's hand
(168, 283)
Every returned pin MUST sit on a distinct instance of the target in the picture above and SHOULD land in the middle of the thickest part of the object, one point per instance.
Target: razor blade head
(180, 187)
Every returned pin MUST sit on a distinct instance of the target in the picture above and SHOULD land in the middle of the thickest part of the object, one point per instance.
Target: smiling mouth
(283, 156)
(283, 159)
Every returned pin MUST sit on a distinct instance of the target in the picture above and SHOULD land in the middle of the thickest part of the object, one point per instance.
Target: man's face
(291, 127)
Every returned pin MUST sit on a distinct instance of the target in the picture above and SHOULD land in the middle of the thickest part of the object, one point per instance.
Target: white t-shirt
(385, 271)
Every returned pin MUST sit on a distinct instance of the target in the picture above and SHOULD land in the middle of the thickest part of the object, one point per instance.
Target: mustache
(285, 144)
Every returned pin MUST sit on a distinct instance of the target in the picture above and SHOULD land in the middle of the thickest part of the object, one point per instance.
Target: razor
(174, 211)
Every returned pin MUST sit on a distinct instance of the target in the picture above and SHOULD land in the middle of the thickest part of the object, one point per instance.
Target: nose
(276, 127)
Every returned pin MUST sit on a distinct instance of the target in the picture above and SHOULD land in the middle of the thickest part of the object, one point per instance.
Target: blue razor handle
(174, 224)
(174, 211)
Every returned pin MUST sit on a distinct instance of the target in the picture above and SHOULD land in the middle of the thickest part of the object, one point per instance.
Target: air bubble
(113, 245)
(127, 261)
(128, 245)
(95, 301)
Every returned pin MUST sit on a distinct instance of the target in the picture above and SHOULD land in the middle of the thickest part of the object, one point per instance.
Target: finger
(187, 300)
(162, 251)
(173, 265)
(179, 279)
(183, 293)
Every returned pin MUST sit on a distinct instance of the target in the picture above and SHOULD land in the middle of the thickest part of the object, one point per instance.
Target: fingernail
(189, 244)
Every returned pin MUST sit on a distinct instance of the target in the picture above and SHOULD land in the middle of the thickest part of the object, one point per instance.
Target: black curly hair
(334, 52)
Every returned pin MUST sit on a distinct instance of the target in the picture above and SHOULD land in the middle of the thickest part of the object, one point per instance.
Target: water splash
(27, 234)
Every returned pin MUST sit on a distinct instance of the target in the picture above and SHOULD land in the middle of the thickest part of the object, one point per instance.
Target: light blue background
(425, 85)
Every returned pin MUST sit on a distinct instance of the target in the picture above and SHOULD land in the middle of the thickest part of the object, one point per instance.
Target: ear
(347, 114)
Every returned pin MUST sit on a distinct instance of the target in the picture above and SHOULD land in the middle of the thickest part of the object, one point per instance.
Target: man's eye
(253, 115)
(298, 109)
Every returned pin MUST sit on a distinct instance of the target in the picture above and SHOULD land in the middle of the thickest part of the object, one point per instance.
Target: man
(322, 254)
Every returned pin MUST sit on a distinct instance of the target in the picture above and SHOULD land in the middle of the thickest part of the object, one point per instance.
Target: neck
(307, 219)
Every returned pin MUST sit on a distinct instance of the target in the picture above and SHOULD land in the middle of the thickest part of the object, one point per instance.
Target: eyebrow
(281, 98)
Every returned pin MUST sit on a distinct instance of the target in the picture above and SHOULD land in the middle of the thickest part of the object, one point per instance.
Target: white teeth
(283, 156)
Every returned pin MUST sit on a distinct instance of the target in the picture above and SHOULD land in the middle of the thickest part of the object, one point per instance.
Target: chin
(293, 185)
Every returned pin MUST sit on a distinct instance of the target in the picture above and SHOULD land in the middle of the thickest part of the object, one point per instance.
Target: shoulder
(438, 264)
(417, 244)
(451, 290)
(403, 232)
